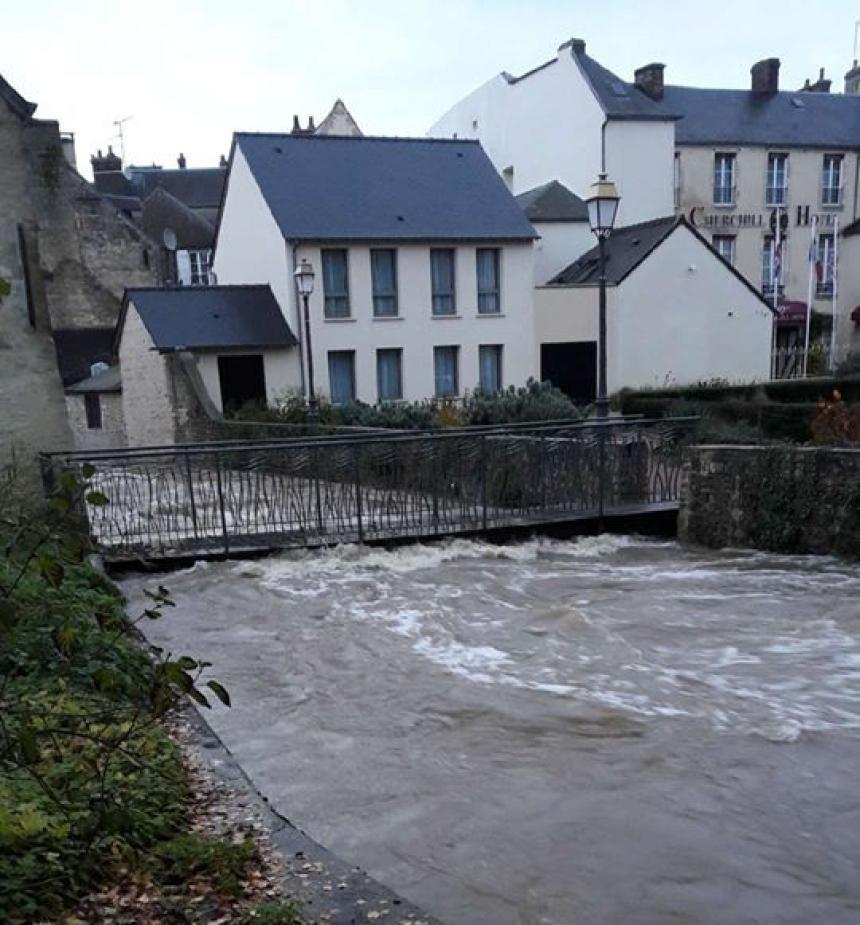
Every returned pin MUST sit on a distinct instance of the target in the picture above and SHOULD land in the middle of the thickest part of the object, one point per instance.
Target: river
(604, 730)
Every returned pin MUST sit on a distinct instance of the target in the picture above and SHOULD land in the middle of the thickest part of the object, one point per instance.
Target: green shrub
(282, 913)
(221, 862)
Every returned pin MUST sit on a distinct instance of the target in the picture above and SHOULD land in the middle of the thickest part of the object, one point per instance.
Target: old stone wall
(112, 432)
(792, 499)
(67, 255)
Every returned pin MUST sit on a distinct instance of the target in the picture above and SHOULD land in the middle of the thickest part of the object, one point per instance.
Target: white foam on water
(477, 663)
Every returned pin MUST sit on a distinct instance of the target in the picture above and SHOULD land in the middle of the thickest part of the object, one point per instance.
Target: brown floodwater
(608, 730)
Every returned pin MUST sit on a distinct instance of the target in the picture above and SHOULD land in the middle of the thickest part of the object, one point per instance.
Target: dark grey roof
(629, 246)
(114, 183)
(107, 381)
(784, 119)
(325, 188)
(626, 248)
(209, 317)
(13, 99)
(618, 98)
(161, 210)
(127, 204)
(198, 188)
(79, 348)
(552, 202)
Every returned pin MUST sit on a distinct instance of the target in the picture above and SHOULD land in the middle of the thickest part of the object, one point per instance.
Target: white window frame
(498, 351)
(824, 248)
(396, 353)
(728, 254)
(725, 173)
(676, 179)
(436, 353)
(776, 192)
(831, 175)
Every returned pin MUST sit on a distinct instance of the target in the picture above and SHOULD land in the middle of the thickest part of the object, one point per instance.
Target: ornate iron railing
(229, 496)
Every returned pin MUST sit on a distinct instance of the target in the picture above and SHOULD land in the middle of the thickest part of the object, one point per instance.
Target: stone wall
(792, 499)
(112, 432)
(67, 254)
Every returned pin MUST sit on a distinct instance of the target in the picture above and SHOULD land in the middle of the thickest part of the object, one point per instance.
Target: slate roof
(618, 98)
(108, 380)
(210, 317)
(552, 202)
(13, 99)
(79, 348)
(198, 188)
(161, 210)
(114, 183)
(629, 246)
(626, 248)
(334, 188)
(783, 119)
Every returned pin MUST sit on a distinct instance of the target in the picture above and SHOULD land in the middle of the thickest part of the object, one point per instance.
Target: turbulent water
(609, 730)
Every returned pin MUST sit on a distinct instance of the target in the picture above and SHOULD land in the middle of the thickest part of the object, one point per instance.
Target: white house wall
(559, 245)
(416, 331)
(682, 317)
(278, 367)
(566, 314)
(546, 126)
(639, 159)
(251, 250)
(147, 395)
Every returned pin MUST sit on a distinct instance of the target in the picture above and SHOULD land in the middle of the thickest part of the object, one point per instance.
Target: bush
(536, 401)
(836, 423)
(219, 861)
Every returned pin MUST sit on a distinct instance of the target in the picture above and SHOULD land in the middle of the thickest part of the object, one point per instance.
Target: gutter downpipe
(301, 327)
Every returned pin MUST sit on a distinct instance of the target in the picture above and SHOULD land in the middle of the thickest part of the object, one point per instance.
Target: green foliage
(219, 861)
(281, 913)
(536, 401)
(5, 287)
(88, 776)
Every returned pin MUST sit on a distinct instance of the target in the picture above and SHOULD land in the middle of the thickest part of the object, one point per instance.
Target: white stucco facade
(278, 365)
(549, 125)
(680, 317)
(559, 244)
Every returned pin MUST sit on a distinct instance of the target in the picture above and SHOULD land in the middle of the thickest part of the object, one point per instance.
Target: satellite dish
(169, 238)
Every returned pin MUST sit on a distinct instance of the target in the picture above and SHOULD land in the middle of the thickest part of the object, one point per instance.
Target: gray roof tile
(552, 202)
(210, 317)
(327, 188)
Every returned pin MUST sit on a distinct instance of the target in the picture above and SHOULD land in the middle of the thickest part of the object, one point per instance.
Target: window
(341, 376)
(335, 284)
(93, 408)
(831, 180)
(383, 272)
(442, 280)
(724, 245)
(389, 376)
(487, 263)
(771, 267)
(445, 362)
(677, 180)
(825, 265)
(490, 368)
(776, 192)
(724, 179)
(199, 261)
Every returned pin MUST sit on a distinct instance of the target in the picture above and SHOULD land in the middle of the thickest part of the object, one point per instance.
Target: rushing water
(609, 730)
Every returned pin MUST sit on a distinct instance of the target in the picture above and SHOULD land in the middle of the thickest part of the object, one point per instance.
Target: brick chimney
(181, 161)
(649, 79)
(106, 163)
(852, 80)
(765, 76)
(822, 85)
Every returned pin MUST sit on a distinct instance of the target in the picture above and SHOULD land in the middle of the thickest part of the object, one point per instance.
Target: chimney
(852, 80)
(181, 161)
(649, 79)
(297, 129)
(105, 163)
(311, 127)
(223, 161)
(765, 76)
(822, 85)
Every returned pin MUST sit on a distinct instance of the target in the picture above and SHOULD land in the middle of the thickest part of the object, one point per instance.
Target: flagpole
(812, 256)
(835, 279)
(774, 282)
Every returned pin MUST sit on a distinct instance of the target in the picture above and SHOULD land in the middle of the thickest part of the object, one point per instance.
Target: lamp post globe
(602, 209)
(304, 276)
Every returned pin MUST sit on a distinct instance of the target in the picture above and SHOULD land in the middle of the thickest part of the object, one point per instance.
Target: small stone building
(94, 407)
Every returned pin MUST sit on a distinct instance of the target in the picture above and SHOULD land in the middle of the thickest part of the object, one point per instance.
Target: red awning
(792, 311)
(855, 315)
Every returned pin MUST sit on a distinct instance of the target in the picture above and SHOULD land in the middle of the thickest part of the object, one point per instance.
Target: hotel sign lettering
(799, 216)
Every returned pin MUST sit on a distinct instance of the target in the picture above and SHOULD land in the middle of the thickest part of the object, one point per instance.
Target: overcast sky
(190, 72)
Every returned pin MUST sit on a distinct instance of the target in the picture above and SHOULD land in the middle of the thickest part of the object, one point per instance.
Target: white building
(567, 120)
(423, 261)
(676, 314)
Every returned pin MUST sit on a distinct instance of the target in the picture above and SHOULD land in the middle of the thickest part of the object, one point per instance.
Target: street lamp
(602, 209)
(304, 274)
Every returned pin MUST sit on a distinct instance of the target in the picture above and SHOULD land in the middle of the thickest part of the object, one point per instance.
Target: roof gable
(197, 188)
(13, 99)
(334, 188)
(161, 211)
(552, 202)
(210, 317)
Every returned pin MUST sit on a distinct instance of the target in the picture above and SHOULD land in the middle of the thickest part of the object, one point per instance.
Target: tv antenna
(120, 123)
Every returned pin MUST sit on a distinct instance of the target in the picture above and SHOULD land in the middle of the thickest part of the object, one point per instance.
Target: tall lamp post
(602, 209)
(304, 274)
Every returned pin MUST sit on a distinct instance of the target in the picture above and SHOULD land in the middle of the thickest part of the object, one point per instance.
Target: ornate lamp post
(304, 274)
(602, 209)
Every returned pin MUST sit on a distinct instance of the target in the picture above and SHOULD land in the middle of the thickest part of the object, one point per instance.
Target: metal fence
(788, 362)
(232, 496)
